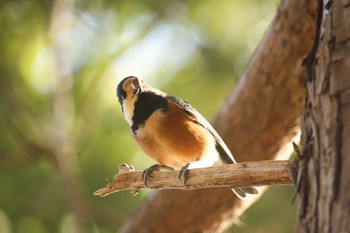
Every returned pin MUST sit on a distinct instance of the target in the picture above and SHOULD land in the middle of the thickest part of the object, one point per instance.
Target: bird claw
(148, 172)
(184, 172)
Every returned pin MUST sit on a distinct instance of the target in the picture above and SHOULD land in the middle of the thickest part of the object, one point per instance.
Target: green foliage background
(192, 49)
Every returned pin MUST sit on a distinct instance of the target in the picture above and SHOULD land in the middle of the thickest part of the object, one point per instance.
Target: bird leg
(184, 172)
(148, 172)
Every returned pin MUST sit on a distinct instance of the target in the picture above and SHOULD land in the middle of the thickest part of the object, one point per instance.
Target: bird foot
(147, 173)
(184, 172)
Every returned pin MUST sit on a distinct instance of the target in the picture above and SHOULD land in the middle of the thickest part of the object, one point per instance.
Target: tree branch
(230, 176)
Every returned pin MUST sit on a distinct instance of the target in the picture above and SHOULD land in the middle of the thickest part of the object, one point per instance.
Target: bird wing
(223, 150)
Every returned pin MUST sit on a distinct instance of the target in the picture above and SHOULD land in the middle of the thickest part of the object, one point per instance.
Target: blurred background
(62, 132)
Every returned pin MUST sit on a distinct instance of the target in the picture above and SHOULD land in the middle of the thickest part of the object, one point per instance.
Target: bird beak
(136, 86)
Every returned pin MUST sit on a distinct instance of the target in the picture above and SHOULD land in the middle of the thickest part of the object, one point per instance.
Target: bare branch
(231, 176)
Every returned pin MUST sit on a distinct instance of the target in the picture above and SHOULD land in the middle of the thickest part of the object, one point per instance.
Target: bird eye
(121, 94)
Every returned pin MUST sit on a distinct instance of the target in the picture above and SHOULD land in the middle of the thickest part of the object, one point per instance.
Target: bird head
(128, 89)
(128, 92)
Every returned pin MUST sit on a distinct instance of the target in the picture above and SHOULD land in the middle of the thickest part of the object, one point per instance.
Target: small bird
(171, 131)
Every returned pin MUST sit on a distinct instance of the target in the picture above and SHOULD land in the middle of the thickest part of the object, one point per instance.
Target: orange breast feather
(173, 139)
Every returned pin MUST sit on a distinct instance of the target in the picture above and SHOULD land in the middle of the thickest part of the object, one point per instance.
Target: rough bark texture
(257, 122)
(230, 176)
(324, 187)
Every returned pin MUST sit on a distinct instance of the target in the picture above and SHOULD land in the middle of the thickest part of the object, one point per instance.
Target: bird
(171, 132)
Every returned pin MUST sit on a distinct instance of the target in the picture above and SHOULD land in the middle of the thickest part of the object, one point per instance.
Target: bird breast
(171, 138)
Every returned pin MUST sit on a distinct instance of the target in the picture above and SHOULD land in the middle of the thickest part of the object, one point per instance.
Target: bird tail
(227, 158)
(243, 193)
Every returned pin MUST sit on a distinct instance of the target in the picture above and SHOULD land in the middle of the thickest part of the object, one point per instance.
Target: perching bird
(171, 131)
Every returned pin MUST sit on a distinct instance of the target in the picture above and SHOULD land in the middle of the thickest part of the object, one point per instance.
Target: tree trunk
(257, 122)
(324, 187)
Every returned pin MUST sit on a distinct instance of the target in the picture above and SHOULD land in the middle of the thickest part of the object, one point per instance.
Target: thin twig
(231, 176)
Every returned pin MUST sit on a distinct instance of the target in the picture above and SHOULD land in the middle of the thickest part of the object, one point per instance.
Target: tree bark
(257, 122)
(324, 188)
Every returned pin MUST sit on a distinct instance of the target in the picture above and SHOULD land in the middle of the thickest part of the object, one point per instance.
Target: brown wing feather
(223, 150)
